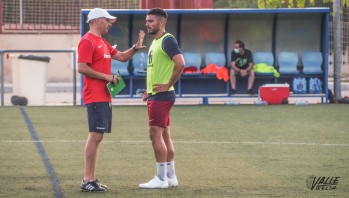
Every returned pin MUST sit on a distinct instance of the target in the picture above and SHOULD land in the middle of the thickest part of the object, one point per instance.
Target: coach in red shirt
(94, 61)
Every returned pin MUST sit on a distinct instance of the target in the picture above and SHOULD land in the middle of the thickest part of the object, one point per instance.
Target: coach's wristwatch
(134, 48)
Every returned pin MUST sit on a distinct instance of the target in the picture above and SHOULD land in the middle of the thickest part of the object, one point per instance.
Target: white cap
(99, 13)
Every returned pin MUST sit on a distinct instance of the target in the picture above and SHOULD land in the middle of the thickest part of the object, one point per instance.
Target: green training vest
(160, 66)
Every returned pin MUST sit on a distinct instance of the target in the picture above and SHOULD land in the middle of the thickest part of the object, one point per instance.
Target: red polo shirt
(96, 53)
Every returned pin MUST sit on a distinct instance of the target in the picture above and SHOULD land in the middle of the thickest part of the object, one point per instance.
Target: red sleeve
(112, 50)
(85, 51)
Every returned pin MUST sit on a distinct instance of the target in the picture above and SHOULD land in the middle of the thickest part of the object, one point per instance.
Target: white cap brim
(99, 13)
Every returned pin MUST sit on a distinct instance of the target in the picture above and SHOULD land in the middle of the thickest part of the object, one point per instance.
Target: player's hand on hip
(160, 88)
(145, 96)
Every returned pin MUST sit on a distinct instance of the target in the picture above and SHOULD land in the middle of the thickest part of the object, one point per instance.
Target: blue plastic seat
(117, 66)
(288, 62)
(312, 61)
(263, 57)
(216, 58)
(139, 62)
(192, 60)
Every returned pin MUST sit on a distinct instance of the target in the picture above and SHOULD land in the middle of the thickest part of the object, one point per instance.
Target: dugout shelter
(295, 41)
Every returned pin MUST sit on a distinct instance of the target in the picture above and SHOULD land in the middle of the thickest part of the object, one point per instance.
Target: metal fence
(51, 15)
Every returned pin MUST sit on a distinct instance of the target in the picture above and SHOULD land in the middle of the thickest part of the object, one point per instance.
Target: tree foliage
(275, 3)
(295, 3)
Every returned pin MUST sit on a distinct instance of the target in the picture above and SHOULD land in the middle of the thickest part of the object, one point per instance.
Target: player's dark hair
(158, 12)
(241, 44)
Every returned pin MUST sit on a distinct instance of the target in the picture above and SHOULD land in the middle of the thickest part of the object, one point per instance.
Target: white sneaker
(155, 183)
(172, 182)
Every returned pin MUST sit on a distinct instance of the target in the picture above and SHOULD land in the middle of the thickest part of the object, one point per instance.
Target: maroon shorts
(159, 112)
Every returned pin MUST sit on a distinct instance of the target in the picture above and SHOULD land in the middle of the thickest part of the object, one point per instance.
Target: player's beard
(153, 31)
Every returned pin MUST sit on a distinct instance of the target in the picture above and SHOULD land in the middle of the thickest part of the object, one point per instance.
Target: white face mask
(236, 50)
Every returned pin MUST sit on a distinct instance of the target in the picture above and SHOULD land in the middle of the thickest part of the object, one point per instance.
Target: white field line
(183, 142)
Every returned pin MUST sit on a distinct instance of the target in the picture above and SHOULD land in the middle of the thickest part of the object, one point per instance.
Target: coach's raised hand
(139, 44)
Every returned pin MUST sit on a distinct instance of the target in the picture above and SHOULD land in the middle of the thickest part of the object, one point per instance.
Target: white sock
(161, 170)
(171, 169)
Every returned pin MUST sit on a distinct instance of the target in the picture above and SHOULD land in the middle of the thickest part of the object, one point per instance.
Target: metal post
(205, 100)
(74, 78)
(2, 77)
(0, 16)
(337, 49)
(20, 12)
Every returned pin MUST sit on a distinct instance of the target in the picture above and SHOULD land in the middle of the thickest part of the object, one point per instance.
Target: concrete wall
(60, 66)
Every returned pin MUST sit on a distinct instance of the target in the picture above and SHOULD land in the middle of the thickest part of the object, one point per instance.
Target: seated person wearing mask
(241, 63)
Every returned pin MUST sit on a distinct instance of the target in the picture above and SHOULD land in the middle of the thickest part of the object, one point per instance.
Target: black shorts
(99, 115)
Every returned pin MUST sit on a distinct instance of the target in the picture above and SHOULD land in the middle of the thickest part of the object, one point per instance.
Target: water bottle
(261, 102)
(301, 102)
(140, 92)
(316, 90)
(299, 87)
(232, 103)
(319, 85)
(304, 86)
(311, 86)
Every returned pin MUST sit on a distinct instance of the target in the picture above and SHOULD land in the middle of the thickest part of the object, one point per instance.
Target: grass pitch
(221, 151)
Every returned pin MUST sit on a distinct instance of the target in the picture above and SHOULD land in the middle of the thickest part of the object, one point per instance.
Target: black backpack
(330, 96)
